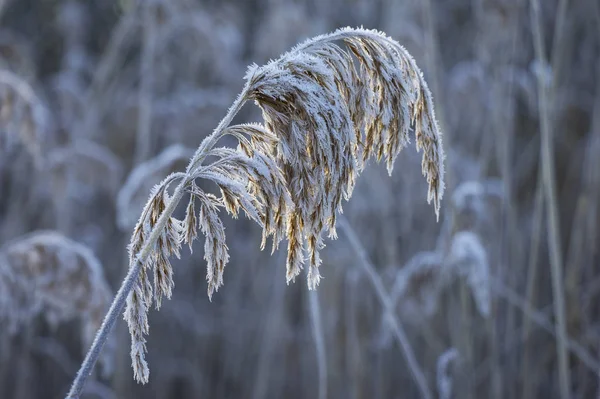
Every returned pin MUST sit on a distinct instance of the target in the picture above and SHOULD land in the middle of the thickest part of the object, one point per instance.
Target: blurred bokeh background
(483, 302)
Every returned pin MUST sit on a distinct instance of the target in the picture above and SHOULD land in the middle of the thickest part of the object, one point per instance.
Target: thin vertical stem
(110, 60)
(319, 337)
(558, 55)
(143, 141)
(530, 291)
(434, 65)
(432, 61)
(271, 340)
(552, 211)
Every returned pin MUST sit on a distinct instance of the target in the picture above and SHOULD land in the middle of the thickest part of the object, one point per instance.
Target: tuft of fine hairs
(329, 105)
(45, 273)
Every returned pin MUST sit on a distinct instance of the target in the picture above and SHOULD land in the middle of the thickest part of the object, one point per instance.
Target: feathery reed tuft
(330, 117)
(327, 110)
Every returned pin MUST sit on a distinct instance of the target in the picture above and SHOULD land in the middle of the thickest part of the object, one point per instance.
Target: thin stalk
(557, 58)
(111, 59)
(211, 140)
(552, 211)
(514, 299)
(130, 280)
(271, 340)
(496, 387)
(119, 302)
(466, 337)
(593, 176)
(143, 141)
(319, 337)
(575, 255)
(352, 348)
(512, 252)
(432, 61)
(434, 65)
(558, 47)
(121, 36)
(388, 307)
(530, 291)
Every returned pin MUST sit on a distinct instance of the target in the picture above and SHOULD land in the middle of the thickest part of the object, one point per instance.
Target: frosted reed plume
(326, 111)
(45, 273)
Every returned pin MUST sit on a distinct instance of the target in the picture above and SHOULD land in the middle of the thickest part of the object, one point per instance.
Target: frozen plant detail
(324, 116)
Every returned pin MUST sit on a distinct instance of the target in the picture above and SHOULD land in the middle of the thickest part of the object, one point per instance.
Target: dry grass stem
(319, 337)
(545, 91)
(144, 138)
